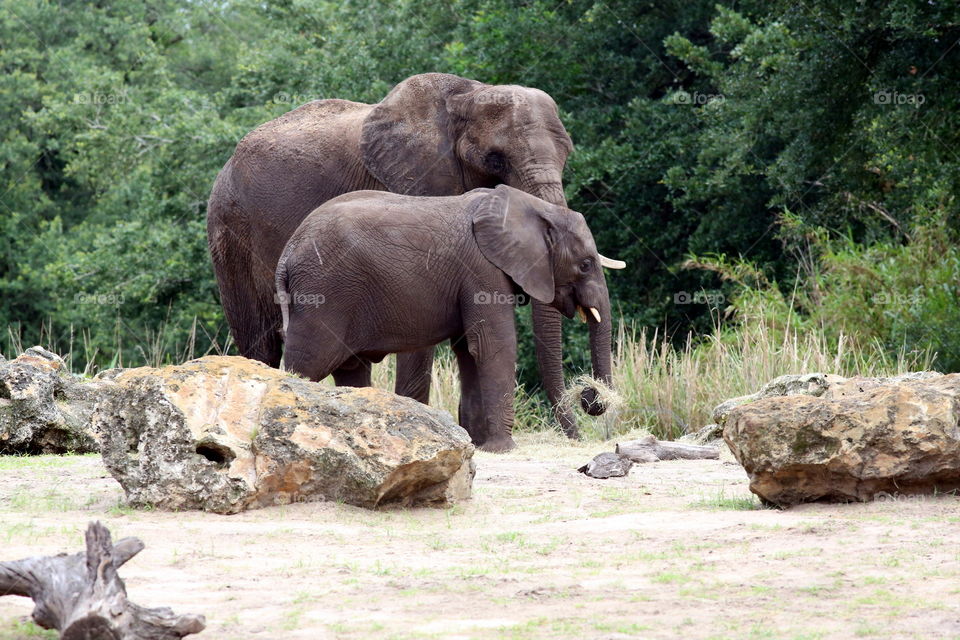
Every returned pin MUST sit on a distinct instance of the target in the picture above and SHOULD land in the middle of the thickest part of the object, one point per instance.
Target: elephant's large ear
(407, 142)
(513, 230)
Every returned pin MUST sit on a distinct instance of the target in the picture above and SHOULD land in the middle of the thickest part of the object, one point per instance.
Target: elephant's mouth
(566, 303)
(569, 306)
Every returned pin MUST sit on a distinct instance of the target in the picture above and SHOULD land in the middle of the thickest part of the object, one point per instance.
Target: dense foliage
(699, 128)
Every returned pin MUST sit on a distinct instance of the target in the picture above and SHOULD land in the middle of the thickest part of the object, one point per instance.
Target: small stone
(607, 465)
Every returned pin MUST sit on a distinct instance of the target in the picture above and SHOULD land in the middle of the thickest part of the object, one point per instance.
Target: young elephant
(371, 273)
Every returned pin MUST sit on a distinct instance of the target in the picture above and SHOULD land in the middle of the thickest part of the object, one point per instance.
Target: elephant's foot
(498, 445)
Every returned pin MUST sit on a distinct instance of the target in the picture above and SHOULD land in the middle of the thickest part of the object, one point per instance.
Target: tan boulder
(226, 434)
(857, 438)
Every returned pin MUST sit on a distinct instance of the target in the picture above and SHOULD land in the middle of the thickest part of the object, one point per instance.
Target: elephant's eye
(586, 265)
(496, 162)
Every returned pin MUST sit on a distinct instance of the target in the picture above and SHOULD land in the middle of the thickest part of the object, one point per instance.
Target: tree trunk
(649, 449)
(82, 596)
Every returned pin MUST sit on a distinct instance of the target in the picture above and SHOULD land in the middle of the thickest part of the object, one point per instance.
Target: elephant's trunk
(552, 192)
(543, 180)
(600, 352)
(547, 331)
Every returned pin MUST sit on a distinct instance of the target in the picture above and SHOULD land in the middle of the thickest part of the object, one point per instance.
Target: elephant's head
(549, 252)
(439, 134)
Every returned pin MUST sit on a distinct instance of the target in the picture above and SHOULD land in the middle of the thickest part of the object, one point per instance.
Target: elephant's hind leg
(246, 292)
(261, 334)
(413, 374)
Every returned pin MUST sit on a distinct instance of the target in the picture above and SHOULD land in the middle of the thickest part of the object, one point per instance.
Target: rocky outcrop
(43, 407)
(851, 440)
(226, 434)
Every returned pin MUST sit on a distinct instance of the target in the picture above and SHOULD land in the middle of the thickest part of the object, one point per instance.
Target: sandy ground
(675, 550)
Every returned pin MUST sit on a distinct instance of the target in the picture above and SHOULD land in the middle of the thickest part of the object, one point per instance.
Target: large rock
(226, 434)
(856, 438)
(43, 407)
(807, 384)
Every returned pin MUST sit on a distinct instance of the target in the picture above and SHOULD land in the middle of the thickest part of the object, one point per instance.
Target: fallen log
(82, 596)
(649, 449)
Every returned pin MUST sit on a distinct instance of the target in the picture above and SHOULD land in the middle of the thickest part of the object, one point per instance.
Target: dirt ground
(675, 550)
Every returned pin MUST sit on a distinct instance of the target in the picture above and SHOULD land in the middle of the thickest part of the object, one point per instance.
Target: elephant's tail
(283, 296)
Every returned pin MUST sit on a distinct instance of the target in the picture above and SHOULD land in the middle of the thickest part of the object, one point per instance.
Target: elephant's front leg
(548, 337)
(355, 372)
(413, 374)
(487, 384)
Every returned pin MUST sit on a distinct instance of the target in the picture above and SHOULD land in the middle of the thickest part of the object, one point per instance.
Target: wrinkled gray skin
(434, 134)
(371, 273)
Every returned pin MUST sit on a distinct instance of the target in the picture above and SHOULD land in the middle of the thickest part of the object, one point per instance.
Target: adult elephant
(434, 134)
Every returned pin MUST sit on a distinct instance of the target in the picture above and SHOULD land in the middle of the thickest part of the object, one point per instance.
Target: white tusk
(583, 316)
(596, 314)
(610, 263)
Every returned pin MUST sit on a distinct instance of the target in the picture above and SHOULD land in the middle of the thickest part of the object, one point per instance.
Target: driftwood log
(649, 449)
(82, 596)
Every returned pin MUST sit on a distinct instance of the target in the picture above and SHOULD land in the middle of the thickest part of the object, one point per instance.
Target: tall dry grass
(670, 391)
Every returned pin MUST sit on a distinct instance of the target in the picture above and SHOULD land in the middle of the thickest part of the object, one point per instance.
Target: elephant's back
(415, 222)
(399, 203)
(285, 168)
(316, 128)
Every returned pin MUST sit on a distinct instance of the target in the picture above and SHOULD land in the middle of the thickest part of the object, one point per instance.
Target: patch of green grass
(514, 537)
(722, 502)
(867, 631)
(631, 628)
(49, 500)
(291, 619)
(15, 462)
(670, 577)
(21, 630)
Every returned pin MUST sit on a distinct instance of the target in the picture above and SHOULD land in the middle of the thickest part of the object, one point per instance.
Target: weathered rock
(226, 434)
(43, 407)
(709, 436)
(858, 438)
(811, 384)
(607, 465)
